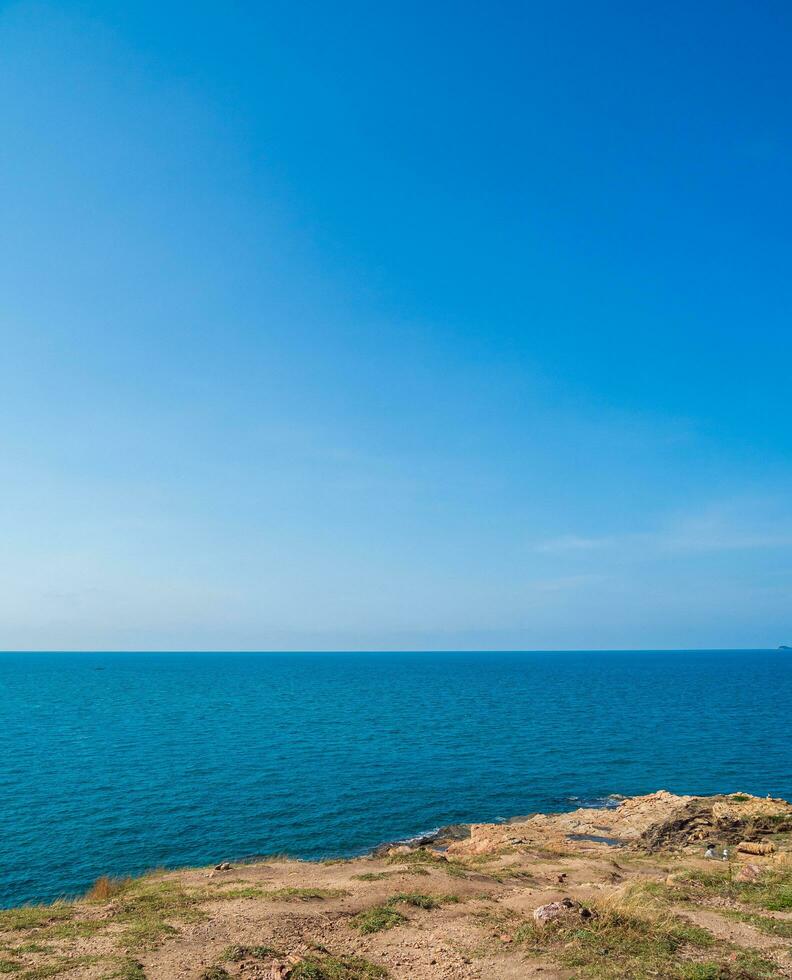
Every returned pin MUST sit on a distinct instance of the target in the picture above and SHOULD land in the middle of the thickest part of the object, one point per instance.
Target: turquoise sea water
(116, 763)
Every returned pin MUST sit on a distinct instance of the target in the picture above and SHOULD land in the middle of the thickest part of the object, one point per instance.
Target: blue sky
(416, 325)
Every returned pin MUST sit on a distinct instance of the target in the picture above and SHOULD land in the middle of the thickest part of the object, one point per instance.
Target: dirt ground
(464, 910)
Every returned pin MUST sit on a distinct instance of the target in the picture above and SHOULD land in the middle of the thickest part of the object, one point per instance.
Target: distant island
(682, 887)
(784, 647)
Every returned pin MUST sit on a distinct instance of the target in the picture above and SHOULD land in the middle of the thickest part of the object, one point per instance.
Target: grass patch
(247, 891)
(234, 954)
(420, 901)
(782, 928)
(773, 891)
(755, 965)
(705, 971)
(63, 964)
(382, 875)
(126, 969)
(747, 965)
(304, 894)
(421, 857)
(148, 907)
(377, 919)
(10, 966)
(418, 856)
(327, 967)
(739, 798)
(621, 940)
(509, 873)
(34, 916)
(78, 929)
(215, 973)
(148, 933)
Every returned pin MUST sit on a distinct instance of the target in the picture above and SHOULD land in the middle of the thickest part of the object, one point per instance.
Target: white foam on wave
(609, 802)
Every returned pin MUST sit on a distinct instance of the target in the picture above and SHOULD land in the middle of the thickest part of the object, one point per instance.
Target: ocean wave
(609, 802)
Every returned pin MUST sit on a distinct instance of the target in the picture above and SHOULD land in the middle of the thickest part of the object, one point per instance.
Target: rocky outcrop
(725, 819)
(756, 847)
(657, 821)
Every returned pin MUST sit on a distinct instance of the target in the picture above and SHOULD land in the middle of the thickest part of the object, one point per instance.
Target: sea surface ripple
(118, 763)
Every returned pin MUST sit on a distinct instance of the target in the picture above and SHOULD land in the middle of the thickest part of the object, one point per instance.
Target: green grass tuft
(148, 908)
(377, 919)
(234, 954)
(34, 916)
(764, 923)
(56, 967)
(423, 858)
(246, 891)
(746, 965)
(304, 894)
(421, 901)
(327, 967)
(126, 969)
(78, 929)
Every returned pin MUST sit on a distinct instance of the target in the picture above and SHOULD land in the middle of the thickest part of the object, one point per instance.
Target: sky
(395, 326)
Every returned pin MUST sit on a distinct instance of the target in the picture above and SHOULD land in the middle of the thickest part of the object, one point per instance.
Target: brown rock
(554, 910)
(751, 872)
(756, 847)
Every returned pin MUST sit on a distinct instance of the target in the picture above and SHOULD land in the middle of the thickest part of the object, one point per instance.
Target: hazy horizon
(395, 327)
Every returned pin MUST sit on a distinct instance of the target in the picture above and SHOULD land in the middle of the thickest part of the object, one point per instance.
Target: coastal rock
(655, 822)
(224, 866)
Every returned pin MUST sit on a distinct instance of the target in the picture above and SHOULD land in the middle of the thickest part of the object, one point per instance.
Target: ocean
(118, 763)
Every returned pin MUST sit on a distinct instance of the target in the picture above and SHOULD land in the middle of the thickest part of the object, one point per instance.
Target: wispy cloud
(570, 543)
(719, 527)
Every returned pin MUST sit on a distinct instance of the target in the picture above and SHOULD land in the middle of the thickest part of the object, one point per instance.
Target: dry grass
(771, 891)
(623, 938)
(104, 888)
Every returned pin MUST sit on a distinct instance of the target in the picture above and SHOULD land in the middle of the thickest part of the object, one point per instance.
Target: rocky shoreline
(686, 887)
(660, 821)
